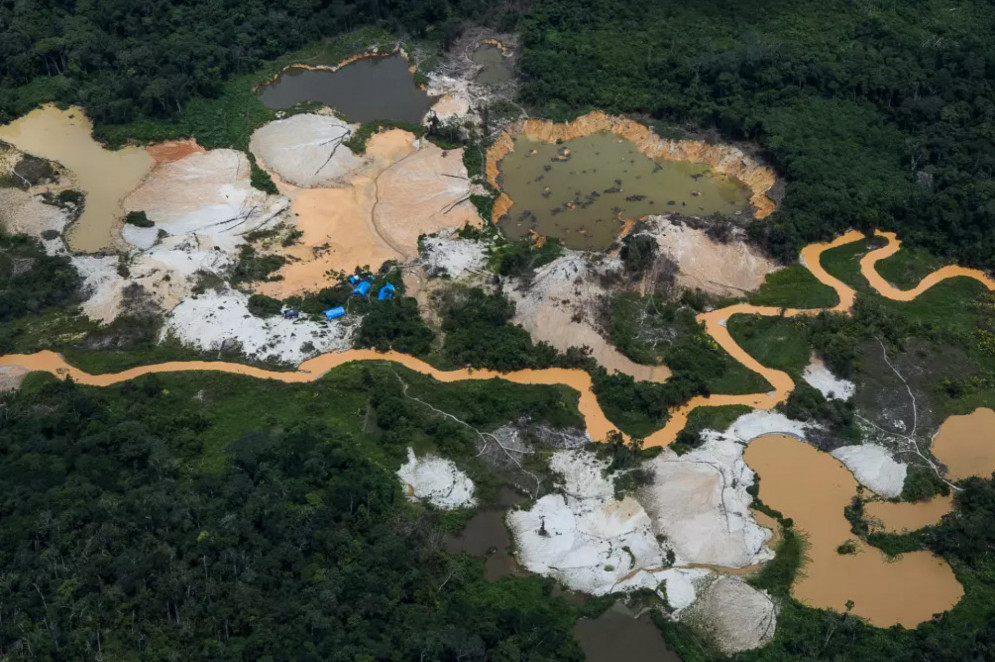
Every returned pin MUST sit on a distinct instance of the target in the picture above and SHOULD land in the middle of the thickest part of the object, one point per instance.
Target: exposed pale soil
(724, 269)
(436, 480)
(733, 615)
(560, 304)
(818, 376)
(874, 467)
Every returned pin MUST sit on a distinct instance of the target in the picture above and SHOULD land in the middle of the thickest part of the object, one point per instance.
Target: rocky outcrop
(726, 159)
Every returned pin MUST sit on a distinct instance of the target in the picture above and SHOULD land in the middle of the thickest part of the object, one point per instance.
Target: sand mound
(699, 502)
(725, 269)
(11, 377)
(733, 615)
(874, 468)
(559, 307)
(436, 480)
(818, 376)
(306, 150)
(584, 537)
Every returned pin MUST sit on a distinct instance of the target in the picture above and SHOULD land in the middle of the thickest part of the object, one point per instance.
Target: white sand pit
(221, 321)
(452, 257)
(306, 150)
(748, 427)
(732, 616)
(585, 538)
(724, 269)
(820, 377)
(699, 502)
(26, 213)
(436, 480)
(559, 307)
(874, 468)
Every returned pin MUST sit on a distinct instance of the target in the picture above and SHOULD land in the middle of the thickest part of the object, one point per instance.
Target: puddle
(966, 444)
(487, 535)
(616, 635)
(105, 176)
(581, 191)
(812, 488)
(496, 70)
(373, 88)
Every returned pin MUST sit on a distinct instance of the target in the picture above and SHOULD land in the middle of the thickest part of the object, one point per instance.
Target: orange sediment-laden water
(966, 444)
(812, 488)
(809, 486)
(597, 423)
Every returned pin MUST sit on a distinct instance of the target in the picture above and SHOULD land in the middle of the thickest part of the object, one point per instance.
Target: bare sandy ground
(725, 269)
(402, 189)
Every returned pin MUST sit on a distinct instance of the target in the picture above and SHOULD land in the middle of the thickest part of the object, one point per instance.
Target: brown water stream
(966, 444)
(583, 190)
(105, 176)
(812, 488)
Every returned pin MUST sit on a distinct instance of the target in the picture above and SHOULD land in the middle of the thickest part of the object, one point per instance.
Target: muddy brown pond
(966, 444)
(582, 190)
(812, 488)
(487, 535)
(376, 88)
(616, 636)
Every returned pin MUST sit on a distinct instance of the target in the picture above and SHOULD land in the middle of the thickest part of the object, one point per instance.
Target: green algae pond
(583, 190)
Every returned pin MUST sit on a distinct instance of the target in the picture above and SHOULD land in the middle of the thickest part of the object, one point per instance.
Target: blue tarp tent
(386, 292)
(353, 279)
(362, 289)
(332, 313)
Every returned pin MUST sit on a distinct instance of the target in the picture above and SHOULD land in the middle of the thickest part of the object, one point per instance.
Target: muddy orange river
(597, 424)
(809, 486)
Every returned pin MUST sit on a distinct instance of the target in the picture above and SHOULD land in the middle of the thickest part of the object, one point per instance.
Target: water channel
(583, 190)
(373, 88)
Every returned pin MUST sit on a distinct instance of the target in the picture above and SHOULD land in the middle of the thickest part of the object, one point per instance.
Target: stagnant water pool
(378, 88)
(496, 69)
(582, 191)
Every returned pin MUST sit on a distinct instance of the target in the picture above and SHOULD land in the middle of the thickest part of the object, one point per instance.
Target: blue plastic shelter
(386, 292)
(332, 313)
(362, 289)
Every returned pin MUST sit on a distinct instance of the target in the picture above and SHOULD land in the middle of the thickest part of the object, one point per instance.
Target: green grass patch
(908, 266)
(794, 287)
(776, 342)
(777, 574)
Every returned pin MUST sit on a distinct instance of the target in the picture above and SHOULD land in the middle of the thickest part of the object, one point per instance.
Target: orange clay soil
(725, 159)
(173, 150)
(597, 424)
(401, 192)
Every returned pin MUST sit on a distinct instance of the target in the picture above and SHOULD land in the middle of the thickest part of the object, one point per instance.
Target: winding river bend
(886, 593)
(598, 425)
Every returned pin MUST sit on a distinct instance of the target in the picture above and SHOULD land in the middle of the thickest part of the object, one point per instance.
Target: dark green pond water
(495, 65)
(582, 190)
(486, 535)
(616, 636)
(368, 89)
